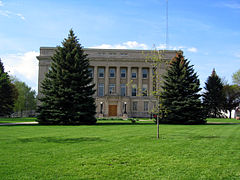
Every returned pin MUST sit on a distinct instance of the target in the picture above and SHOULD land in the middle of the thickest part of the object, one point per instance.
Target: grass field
(120, 150)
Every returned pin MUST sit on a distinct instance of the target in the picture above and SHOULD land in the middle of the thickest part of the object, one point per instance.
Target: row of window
(123, 72)
(135, 106)
(123, 88)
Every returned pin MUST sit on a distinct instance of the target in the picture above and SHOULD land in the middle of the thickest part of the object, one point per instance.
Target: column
(140, 81)
(106, 83)
(118, 80)
(150, 80)
(129, 86)
(95, 78)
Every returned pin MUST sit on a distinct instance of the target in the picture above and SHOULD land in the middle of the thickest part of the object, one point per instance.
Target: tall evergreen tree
(67, 89)
(213, 97)
(8, 92)
(180, 97)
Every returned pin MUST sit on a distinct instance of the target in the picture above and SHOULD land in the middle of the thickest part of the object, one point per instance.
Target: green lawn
(120, 150)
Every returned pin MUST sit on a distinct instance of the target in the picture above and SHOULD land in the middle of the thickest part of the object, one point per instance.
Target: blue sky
(207, 31)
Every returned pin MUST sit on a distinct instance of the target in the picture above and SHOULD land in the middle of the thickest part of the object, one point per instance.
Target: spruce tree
(8, 92)
(213, 97)
(67, 89)
(180, 97)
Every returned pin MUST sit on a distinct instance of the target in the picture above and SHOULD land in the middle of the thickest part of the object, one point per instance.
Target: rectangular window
(112, 88)
(100, 89)
(123, 72)
(144, 73)
(123, 89)
(134, 73)
(134, 107)
(101, 72)
(145, 90)
(134, 90)
(90, 70)
(145, 106)
(112, 72)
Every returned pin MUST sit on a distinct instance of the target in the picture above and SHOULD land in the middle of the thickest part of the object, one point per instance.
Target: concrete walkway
(18, 123)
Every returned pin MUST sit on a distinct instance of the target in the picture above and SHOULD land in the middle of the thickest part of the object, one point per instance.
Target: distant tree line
(15, 96)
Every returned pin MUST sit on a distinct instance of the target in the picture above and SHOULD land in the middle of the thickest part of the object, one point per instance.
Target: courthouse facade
(122, 78)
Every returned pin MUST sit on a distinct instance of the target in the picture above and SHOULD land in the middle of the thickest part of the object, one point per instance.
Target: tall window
(134, 107)
(123, 89)
(112, 88)
(144, 89)
(112, 72)
(100, 89)
(144, 73)
(134, 90)
(123, 72)
(145, 106)
(90, 70)
(101, 72)
(134, 73)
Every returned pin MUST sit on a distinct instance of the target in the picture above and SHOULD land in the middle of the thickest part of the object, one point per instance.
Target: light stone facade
(116, 73)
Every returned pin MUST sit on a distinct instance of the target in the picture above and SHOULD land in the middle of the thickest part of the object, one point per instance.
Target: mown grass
(120, 151)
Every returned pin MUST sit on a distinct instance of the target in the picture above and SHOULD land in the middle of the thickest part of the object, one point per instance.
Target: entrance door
(112, 110)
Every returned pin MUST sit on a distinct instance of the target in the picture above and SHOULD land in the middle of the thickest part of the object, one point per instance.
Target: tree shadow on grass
(123, 123)
(59, 139)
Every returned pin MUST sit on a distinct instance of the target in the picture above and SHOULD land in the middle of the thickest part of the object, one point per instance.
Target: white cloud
(9, 14)
(189, 49)
(125, 45)
(1, 3)
(232, 5)
(192, 49)
(23, 66)
(21, 16)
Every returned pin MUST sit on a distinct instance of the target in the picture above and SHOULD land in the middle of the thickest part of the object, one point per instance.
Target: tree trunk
(230, 114)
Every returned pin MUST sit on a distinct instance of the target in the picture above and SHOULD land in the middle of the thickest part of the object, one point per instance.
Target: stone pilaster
(95, 78)
(106, 83)
(150, 80)
(140, 81)
(129, 85)
(118, 80)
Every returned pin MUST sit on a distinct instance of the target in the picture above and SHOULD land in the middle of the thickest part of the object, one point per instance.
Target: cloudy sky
(207, 31)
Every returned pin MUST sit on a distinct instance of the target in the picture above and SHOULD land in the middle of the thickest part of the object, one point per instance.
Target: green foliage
(114, 151)
(8, 92)
(231, 97)
(180, 97)
(236, 78)
(26, 97)
(213, 97)
(67, 89)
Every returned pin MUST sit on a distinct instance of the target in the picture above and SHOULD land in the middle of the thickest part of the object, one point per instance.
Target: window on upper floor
(134, 90)
(90, 70)
(123, 89)
(144, 89)
(101, 72)
(123, 72)
(112, 72)
(144, 73)
(112, 88)
(134, 73)
(100, 89)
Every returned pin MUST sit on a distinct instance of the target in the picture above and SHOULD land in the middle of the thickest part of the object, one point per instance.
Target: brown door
(112, 110)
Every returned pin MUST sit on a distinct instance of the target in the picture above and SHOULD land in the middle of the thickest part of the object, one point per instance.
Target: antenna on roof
(167, 24)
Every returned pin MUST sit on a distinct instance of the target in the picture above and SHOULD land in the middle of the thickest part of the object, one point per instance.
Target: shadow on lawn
(122, 123)
(59, 139)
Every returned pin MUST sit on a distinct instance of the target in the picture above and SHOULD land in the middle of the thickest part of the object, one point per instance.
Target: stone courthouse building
(119, 75)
